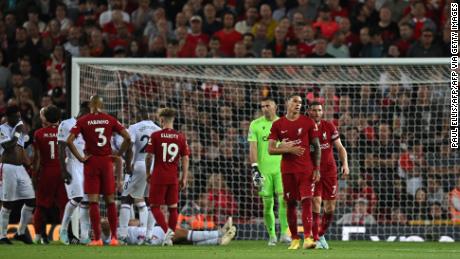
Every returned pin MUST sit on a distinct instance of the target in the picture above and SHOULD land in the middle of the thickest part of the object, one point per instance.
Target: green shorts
(273, 184)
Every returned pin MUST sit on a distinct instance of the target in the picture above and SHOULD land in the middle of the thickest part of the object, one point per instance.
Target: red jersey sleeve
(274, 132)
(334, 132)
(150, 147)
(185, 150)
(76, 129)
(117, 127)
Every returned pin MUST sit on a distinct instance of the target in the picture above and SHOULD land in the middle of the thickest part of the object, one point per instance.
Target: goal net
(392, 116)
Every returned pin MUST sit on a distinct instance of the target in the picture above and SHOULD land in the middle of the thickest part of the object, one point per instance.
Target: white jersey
(6, 134)
(63, 134)
(116, 142)
(140, 134)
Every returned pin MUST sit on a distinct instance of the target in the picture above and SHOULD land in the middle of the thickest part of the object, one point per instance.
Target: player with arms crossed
(72, 174)
(135, 185)
(167, 145)
(96, 129)
(266, 171)
(49, 184)
(17, 185)
(298, 171)
(326, 188)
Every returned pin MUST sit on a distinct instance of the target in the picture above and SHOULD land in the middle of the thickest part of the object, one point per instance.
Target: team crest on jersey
(299, 131)
(324, 136)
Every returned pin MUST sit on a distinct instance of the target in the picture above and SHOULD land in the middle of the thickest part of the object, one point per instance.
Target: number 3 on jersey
(102, 140)
(170, 149)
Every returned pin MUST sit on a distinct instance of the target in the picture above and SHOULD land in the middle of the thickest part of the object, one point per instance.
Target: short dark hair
(11, 110)
(315, 103)
(52, 114)
(267, 99)
(167, 113)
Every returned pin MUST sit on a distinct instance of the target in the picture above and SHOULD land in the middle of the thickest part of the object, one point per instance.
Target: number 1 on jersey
(170, 149)
(52, 151)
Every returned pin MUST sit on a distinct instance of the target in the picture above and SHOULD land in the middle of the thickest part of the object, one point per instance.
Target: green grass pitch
(238, 249)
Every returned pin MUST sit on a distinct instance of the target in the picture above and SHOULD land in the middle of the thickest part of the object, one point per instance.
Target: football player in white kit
(72, 173)
(222, 236)
(135, 185)
(17, 185)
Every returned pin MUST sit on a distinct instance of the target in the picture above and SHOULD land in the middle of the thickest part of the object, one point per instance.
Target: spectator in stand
(194, 37)
(201, 50)
(292, 50)
(360, 49)
(359, 216)
(56, 61)
(306, 39)
(388, 28)
(5, 73)
(141, 16)
(172, 49)
(278, 44)
(260, 38)
(247, 25)
(240, 50)
(73, 41)
(308, 8)
(53, 32)
(221, 201)
(436, 213)
(22, 47)
(221, 8)
(34, 35)
(112, 30)
(418, 20)
(280, 11)
(425, 46)
(30, 81)
(107, 16)
(454, 203)
(210, 24)
(436, 192)
(265, 12)
(337, 11)
(56, 80)
(61, 16)
(27, 106)
(345, 27)
(320, 49)
(398, 217)
(228, 36)
(337, 47)
(360, 18)
(397, 9)
(214, 48)
(417, 209)
(157, 48)
(33, 17)
(324, 25)
(406, 38)
(98, 47)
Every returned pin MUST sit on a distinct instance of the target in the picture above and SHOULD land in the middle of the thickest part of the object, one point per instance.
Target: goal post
(392, 115)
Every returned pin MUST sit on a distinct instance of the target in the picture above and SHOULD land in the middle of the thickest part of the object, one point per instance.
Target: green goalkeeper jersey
(259, 130)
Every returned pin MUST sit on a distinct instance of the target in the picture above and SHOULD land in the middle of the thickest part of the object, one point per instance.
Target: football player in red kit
(326, 188)
(96, 128)
(167, 146)
(299, 172)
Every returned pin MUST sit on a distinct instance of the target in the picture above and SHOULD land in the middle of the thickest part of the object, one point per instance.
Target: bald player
(96, 128)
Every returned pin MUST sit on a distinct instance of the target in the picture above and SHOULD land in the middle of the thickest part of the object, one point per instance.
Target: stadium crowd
(402, 167)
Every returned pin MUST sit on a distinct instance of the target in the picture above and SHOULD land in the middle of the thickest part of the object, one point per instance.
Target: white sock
(26, 216)
(150, 224)
(68, 211)
(214, 241)
(125, 212)
(4, 220)
(38, 237)
(85, 224)
(198, 236)
(143, 213)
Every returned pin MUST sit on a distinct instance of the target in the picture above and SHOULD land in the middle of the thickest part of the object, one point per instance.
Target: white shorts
(17, 184)
(135, 185)
(75, 188)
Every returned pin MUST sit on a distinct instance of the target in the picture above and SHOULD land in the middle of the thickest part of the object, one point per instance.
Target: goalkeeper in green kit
(266, 171)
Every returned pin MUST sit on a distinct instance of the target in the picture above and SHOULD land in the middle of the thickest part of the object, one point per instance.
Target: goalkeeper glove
(257, 178)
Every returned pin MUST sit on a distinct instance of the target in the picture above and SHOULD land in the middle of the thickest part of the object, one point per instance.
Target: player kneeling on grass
(135, 236)
(326, 188)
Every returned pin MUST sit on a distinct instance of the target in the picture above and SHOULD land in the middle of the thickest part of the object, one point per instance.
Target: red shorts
(164, 194)
(98, 175)
(50, 188)
(297, 185)
(326, 188)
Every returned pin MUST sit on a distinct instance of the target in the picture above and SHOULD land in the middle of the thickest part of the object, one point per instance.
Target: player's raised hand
(297, 150)
(316, 176)
(345, 172)
(257, 177)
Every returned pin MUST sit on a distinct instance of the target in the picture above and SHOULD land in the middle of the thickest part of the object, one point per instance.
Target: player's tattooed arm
(316, 159)
(148, 165)
(125, 149)
(62, 156)
(273, 149)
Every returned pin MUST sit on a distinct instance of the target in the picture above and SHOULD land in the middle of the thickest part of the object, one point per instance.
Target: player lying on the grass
(135, 235)
(326, 188)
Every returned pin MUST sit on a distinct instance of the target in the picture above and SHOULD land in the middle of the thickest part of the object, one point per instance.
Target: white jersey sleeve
(63, 133)
(140, 134)
(64, 130)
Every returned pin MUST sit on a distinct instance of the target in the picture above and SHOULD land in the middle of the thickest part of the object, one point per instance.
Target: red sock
(292, 218)
(113, 218)
(38, 220)
(172, 222)
(307, 217)
(315, 226)
(95, 218)
(159, 217)
(325, 222)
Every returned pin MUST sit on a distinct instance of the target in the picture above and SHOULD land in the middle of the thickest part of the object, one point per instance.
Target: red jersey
(228, 41)
(167, 145)
(302, 131)
(96, 129)
(327, 135)
(45, 141)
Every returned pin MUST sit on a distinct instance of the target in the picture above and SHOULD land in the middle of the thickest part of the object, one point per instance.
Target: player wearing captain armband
(266, 171)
